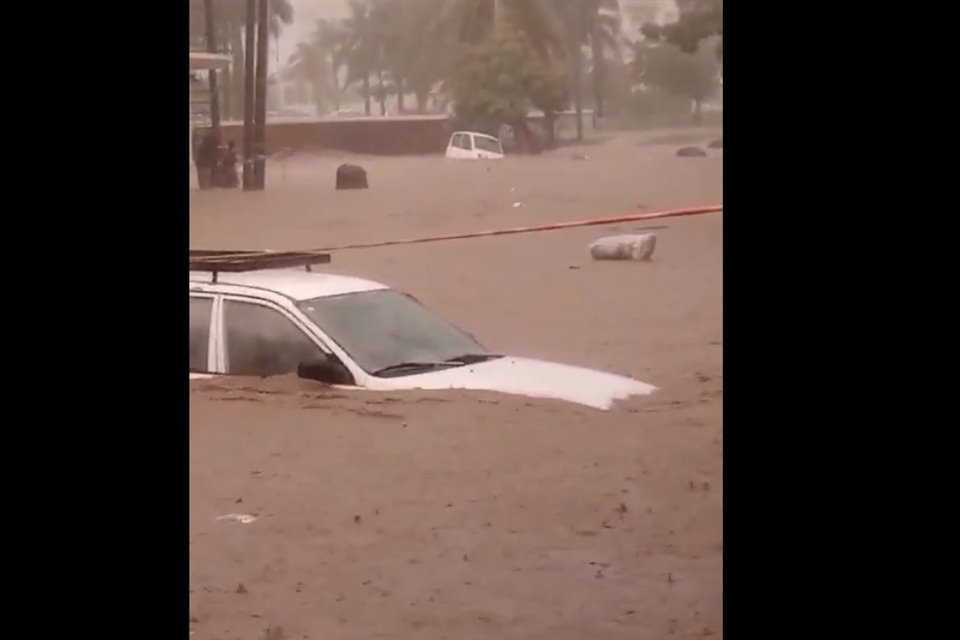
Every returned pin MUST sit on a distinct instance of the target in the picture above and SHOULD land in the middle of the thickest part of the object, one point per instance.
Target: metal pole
(260, 136)
(212, 73)
(248, 96)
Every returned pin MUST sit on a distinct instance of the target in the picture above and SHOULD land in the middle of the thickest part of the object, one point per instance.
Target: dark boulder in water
(691, 152)
(351, 176)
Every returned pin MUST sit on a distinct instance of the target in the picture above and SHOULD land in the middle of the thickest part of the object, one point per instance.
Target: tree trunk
(211, 33)
(382, 97)
(248, 95)
(226, 78)
(422, 97)
(260, 117)
(226, 94)
(401, 107)
(335, 82)
(550, 120)
(596, 47)
(236, 70)
(366, 93)
(318, 102)
(697, 112)
(526, 141)
(578, 90)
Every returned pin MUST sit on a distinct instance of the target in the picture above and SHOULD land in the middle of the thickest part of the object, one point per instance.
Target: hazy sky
(306, 12)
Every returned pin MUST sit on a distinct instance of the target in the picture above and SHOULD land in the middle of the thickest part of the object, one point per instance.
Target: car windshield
(487, 144)
(385, 328)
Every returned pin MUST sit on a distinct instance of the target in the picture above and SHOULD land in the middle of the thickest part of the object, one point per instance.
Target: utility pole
(260, 137)
(212, 73)
(248, 96)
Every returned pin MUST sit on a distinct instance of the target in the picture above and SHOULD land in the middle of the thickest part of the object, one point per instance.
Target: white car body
(470, 145)
(287, 290)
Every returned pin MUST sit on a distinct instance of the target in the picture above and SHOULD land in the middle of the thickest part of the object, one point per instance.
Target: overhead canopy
(202, 60)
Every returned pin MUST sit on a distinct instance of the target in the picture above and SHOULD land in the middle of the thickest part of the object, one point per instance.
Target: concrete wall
(397, 135)
(401, 135)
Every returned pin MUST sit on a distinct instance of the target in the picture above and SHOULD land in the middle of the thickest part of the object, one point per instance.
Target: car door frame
(453, 151)
(457, 152)
(213, 332)
(483, 153)
(301, 322)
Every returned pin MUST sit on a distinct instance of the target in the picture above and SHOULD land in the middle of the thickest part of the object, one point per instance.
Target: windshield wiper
(412, 367)
(430, 365)
(473, 358)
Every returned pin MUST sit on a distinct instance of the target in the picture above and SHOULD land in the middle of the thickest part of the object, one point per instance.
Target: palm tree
(231, 21)
(330, 40)
(577, 20)
(595, 23)
(420, 57)
(604, 31)
(384, 38)
(360, 46)
(474, 21)
(697, 20)
(307, 64)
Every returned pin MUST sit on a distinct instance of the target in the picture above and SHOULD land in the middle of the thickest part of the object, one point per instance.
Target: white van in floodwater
(470, 145)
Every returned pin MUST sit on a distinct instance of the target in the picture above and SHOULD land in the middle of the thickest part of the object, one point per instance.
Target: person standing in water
(228, 167)
(206, 161)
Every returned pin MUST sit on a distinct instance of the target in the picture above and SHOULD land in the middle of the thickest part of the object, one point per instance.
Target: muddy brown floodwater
(449, 515)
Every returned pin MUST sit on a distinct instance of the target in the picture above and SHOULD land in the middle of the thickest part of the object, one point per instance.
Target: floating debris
(242, 518)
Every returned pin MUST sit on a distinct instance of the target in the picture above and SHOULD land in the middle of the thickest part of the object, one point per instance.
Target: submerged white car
(470, 145)
(254, 321)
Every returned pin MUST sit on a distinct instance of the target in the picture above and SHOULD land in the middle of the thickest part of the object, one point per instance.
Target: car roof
(474, 133)
(291, 283)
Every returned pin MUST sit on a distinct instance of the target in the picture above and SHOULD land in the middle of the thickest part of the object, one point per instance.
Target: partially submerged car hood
(533, 378)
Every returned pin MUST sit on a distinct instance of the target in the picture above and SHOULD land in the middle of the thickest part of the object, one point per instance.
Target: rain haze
(431, 395)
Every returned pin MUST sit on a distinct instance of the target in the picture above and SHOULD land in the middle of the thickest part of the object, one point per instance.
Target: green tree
(308, 65)
(331, 41)
(230, 17)
(604, 31)
(576, 19)
(475, 22)
(361, 47)
(420, 66)
(320, 61)
(550, 93)
(413, 58)
(663, 66)
(696, 21)
(497, 82)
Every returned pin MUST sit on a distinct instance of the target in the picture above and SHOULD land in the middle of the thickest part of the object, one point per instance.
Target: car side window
(458, 141)
(468, 142)
(200, 311)
(263, 342)
(487, 144)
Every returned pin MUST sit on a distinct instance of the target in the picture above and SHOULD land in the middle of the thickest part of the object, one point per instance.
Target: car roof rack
(234, 261)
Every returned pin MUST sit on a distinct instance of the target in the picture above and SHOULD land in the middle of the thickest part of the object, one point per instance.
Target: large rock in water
(625, 247)
(351, 176)
(716, 144)
(691, 152)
